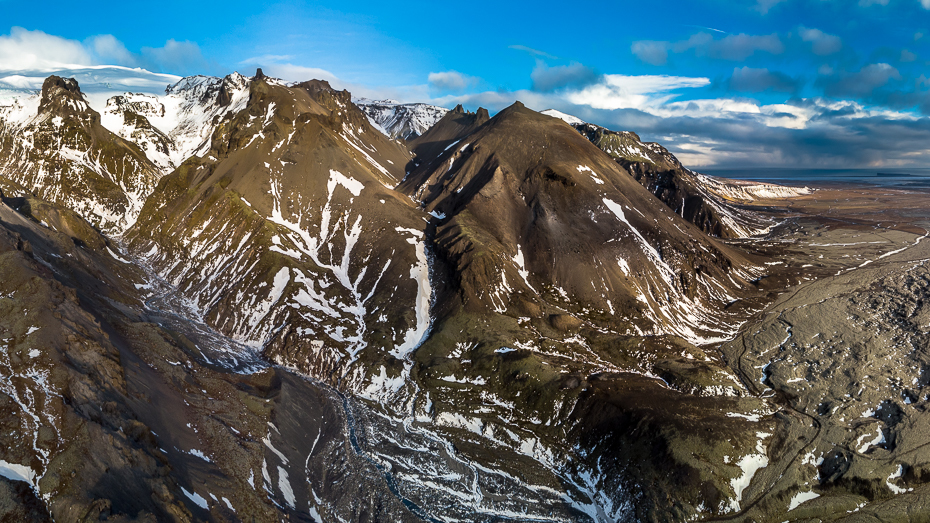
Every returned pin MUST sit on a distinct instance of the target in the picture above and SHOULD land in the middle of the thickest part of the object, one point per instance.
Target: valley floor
(842, 355)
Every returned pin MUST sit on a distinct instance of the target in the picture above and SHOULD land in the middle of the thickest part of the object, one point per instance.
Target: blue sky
(806, 83)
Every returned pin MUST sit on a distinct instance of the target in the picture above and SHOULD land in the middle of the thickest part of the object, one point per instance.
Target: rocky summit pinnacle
(55, 88)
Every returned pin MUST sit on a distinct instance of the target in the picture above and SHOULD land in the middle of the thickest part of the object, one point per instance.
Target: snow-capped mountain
(400, 120)
(98, 83)
(104, 164)
(179, 123)
(53, 144)
(288, 236)
(701, 199)
(289, 313)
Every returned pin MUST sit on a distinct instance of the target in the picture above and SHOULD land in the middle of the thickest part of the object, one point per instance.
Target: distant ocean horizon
(902, 178)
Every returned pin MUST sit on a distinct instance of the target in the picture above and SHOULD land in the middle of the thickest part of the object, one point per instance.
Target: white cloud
(34, 50)
(295, 73)
(108, 50)
(279, 66)
(25, 50)
(451, 81)
(925, 3)
(616, 91)
(175, 56)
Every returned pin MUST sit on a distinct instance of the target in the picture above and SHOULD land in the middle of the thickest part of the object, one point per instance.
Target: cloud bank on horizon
(803, 83)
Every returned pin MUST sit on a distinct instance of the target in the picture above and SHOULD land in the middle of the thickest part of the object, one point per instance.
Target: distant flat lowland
(903, 178)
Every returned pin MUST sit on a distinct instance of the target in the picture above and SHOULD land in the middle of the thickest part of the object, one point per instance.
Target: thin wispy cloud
(704, 27)
(536, 52)
(267, 58)
(733, 47)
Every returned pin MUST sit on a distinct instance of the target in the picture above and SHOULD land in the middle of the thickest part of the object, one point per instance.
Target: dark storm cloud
(859, 84)
(733, 47)
(833, 139)
(547, 78)
(752, 80)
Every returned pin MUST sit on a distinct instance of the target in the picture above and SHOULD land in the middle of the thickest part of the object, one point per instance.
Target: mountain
(116, 406)
(104, 165)
(62, 153)
(287, 235)
(564, 290)
(522, 182)
(501, 318)
(180, 122)
(708, 203)
(401, 121)
(98, 82)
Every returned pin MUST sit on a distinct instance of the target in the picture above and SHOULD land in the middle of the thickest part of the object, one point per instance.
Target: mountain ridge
(494, 319)
(709, 203)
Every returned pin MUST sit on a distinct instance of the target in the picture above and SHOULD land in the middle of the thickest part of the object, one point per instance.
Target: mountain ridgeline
(469, 317)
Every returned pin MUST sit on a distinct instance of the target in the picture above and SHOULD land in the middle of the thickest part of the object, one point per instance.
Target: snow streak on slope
(686, 317)
(338, 266)
(419, 273)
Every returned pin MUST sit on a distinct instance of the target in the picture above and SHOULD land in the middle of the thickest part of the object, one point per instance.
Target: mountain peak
(56, 87)
(482, 115)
